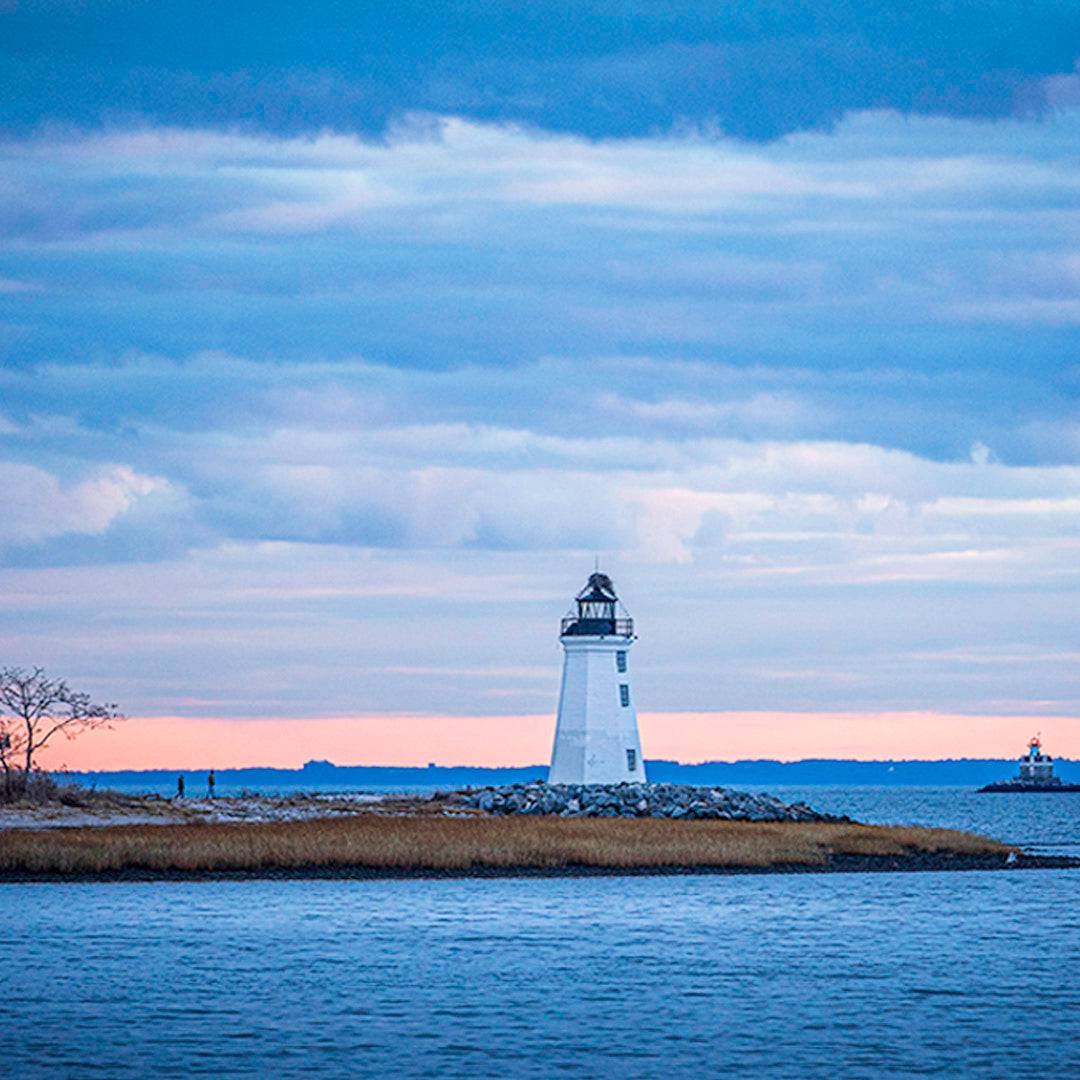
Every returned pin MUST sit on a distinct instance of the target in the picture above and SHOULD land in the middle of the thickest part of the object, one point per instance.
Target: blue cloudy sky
(336, 342)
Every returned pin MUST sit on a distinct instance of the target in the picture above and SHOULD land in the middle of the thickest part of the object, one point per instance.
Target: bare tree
(34, 708)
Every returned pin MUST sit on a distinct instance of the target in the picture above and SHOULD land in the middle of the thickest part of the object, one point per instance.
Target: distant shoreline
(327, 776)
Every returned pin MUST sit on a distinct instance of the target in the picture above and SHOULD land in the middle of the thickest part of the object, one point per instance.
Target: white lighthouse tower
(596, 735)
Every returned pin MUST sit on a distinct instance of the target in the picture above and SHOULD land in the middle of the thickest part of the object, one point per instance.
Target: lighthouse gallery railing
(572, 625)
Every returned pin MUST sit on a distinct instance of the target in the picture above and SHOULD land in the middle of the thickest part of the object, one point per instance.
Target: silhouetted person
(179, 787)
(210, 784)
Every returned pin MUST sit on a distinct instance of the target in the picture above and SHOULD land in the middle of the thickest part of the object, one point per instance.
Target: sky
(338, 342)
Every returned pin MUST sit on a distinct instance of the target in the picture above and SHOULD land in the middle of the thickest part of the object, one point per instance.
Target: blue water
(848, 975)
(1041, 823)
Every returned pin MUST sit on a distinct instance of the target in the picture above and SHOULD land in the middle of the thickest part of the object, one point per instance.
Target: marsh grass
(398, 844)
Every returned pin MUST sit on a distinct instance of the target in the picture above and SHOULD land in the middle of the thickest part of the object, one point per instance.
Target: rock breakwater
(680, 801)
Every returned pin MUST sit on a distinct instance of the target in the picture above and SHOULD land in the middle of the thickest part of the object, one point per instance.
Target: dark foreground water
(845, 975)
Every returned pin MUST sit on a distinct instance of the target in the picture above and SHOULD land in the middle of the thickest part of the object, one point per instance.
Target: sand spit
(433, 844)
(80, 808)
(105, 809)
(100, 836)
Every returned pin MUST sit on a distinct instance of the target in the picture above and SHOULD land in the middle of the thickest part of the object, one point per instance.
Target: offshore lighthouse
(596, 734)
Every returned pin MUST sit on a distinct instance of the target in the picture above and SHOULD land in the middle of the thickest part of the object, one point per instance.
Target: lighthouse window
(631, 760)
(624, 694)
(620, 660)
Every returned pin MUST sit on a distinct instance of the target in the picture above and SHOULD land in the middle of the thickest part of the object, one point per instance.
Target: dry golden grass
(399, 844)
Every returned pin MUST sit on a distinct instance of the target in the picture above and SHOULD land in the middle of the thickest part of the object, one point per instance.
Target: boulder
(681, 801)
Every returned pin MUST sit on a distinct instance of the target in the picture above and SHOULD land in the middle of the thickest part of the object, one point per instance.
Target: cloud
(247, 182)
(1063, 91)
(301, 629)
(884, 240)
(38, 507)
(11, 285)
(1029, 508)
(380, 398)
(303, 536)
(1030, 310)
(675, 463)
(756, 71)
(760, 412)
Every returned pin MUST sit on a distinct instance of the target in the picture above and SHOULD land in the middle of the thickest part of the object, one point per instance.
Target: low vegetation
(42, 791)
(375, 843)
(20, 788)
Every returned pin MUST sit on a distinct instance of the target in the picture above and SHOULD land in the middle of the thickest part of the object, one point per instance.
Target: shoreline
(841, 864)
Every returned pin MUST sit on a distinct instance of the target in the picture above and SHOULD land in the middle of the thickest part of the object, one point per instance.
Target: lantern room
(597, 611)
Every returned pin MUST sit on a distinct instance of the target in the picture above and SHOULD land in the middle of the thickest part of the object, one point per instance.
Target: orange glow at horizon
(188, 743)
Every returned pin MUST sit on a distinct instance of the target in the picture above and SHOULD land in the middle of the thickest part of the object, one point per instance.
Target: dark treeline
(324, 775)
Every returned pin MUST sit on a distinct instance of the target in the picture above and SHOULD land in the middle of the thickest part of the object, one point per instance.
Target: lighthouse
(1035, 766)
(596, 734)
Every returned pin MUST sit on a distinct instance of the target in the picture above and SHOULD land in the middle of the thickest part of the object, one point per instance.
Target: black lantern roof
(597, 611)
(598, 588)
